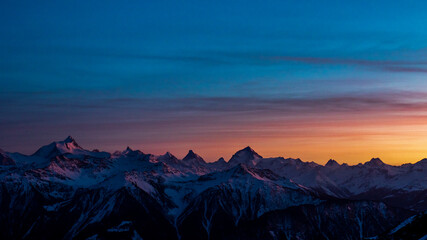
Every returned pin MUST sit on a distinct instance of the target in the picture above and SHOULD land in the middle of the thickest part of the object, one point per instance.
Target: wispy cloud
(384, 101)
(393, 66)
(375, 101)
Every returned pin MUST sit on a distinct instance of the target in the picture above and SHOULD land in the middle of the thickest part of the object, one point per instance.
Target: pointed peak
(375, 162)
(331, 163)
(168, 158)
(168, 155)
(246, 155)
(127, 150)
(249, 150)
(130, 152)
(191, 156)
(70, 143)
(221, 160)
(69, 139)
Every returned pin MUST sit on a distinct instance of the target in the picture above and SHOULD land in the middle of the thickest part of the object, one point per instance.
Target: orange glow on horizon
(395, 139)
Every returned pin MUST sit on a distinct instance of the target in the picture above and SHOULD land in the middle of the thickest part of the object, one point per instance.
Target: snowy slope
(98, 189)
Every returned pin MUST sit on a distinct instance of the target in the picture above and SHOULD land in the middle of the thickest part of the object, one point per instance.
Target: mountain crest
(130, 152)
(68, 145)
(250, 150)
(69, 139)
(375, 162)
(332, 163)
(221, 160)
(422, 162)
(193, 158)
(190, 155)
(246, 156)
(168, 155)
(219, 164)
(168, 158)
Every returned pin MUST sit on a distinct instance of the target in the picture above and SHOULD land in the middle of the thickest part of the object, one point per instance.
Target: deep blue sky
(214, 76)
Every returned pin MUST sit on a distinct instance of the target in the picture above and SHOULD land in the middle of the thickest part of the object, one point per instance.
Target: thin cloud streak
(226, 58)
(385, 102)
(379, 101)
(411, 66)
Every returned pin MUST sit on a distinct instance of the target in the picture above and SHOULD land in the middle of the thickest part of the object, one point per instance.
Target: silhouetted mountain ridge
(66, 192)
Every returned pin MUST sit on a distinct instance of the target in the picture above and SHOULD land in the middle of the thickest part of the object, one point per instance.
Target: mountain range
(64, 191)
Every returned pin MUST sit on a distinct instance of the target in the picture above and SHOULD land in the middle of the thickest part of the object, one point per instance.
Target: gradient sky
(309, 79)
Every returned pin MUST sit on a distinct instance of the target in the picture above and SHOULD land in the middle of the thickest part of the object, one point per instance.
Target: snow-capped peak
(69, 139)
(69, 145)
(246, 156)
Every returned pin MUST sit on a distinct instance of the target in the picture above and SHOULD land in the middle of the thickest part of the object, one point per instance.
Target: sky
(306, 79)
